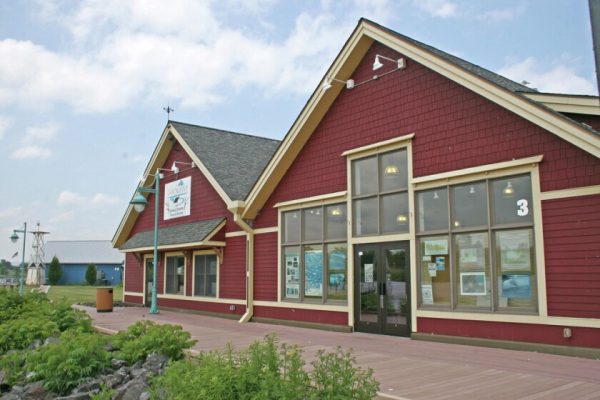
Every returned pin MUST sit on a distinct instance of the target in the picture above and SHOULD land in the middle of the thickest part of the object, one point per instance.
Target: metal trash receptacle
(104, 299)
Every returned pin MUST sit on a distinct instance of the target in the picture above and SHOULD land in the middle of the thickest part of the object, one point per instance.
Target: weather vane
(168, 110)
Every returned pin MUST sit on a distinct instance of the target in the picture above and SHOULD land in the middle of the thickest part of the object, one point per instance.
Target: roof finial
(168, 110)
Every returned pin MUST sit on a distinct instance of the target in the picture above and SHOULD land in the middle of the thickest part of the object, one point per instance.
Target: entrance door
(149, 281)
(382, 288)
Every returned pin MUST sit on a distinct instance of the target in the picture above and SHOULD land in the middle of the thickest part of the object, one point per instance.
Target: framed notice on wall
(177, 198)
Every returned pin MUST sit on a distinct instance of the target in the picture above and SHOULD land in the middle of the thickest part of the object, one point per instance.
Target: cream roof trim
(356, 47)
(588, 105)
(179, 246)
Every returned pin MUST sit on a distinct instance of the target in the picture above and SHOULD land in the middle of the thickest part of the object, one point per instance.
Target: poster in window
(427, 294)
(515, 250)
(292, 276)
(472, 284)
(516, 286)
(368, 273)
(313, 271)
(177, 198)
(436, 246)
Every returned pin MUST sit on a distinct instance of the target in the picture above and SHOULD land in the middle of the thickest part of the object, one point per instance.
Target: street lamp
(13, 238)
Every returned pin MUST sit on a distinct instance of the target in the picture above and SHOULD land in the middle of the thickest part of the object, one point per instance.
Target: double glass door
(382, 288)
(149, 281)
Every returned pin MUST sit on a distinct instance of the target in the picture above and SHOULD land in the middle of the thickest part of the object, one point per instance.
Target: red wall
(134, 299)
(134, 274)
(454, 128)
(265, 267)
(205, 201)
(295, 314)
(202, 306)
(547, 334)
(572, 241)
(232, 276)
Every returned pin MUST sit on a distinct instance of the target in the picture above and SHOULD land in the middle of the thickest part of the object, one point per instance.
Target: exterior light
(174, 168)
(139, 202)
(326, 85)
(391, 170)
(14, 237)
(400, 62)
(508, 191)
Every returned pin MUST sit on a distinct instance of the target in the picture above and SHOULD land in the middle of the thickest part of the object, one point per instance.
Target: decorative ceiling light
(436, 195)
(508, 191)
(472, 190)
(336, 212)
(457, 224)
(391, 170)
(400, 62)
(401, 219)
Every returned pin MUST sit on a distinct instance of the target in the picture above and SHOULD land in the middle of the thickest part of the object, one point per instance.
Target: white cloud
(556, 77)
(43, 133)
(5, 124)
(438, 8)
(66, 198)
(103, 199)
(26, 152)
(500, 15)
(10, 212)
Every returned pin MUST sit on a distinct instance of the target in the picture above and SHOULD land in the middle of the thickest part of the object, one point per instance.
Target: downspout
(236, 208)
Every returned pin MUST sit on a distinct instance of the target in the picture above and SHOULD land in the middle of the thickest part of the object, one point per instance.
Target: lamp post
(13, 238)
(139, 203)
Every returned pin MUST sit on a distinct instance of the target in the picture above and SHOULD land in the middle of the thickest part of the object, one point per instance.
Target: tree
(90, 274)
(54, 271)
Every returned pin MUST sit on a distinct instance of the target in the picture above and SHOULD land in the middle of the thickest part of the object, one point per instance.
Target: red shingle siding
(296, 314)
(572, 241)
(134, 299)
(454, 128)
(134, 274)
(202, 306)
(265, 267)
(205, 201)
(232, 275)
(534, 333)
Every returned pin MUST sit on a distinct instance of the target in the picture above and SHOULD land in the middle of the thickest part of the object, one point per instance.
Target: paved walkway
(406, 369)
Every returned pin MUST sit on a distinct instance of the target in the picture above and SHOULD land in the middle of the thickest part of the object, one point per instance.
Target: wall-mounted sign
(178, 198)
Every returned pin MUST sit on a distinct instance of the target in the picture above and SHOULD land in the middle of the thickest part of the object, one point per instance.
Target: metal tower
(36, 271)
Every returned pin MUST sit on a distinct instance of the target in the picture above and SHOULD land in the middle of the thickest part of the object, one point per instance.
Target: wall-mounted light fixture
(175, 168)
(400, 62)
(351, 84)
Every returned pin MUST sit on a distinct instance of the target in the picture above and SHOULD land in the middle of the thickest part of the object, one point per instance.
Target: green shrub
(21, 333)
(62, 366)
(54, 271)
(12, 365)
(145, 337)
(90, 274)
(265, 371)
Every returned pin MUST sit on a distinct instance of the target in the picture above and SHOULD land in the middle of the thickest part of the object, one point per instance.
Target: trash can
(104, 299)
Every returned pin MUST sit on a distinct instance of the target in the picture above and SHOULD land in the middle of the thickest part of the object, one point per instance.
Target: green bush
(90, 274)
(145, 337)
(21, 333)
(12, 365)
(265, 371)
(54, 271)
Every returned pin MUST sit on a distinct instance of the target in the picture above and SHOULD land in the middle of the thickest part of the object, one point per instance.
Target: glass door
(149, 281)
(382, 303)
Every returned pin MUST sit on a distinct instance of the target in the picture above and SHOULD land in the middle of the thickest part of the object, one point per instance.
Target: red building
(416, 194)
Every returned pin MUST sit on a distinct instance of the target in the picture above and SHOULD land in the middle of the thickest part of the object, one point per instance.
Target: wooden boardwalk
(406, 369)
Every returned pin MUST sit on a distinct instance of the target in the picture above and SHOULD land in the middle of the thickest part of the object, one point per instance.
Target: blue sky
(83, 83)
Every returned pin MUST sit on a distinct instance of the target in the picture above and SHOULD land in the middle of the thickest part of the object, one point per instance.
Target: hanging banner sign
(177, 198)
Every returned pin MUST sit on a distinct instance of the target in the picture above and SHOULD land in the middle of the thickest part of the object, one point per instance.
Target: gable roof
(500, 90)
(82, 252)
(235, 160)
(193, 233)
(230, 161)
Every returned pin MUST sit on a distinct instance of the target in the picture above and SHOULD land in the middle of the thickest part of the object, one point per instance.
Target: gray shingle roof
(82, 252)
(235, 160)
(178, 234)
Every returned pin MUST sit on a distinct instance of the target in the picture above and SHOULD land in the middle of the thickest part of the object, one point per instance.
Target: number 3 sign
(523, 205)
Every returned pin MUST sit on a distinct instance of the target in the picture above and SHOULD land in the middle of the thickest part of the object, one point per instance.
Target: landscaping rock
(132, 390)
(51, 340)
(113, 380)
(88, 385)
(36, 391)
(156, 362)
(77, 396)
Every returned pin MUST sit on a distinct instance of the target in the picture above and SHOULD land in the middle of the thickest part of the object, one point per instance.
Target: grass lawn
(80, 293)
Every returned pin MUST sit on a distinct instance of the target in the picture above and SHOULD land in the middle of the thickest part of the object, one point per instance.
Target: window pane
(435, 271)
(199, 275)
(365, 217)
(393, 170)
(291, 223)
(512, 200)
(364, 176)
(313, 271)
(313, 224)
(432, 208)
(291, 259)
(175, 275)
(211, 275)
(469, 203)
(336, 221)
(394, 213)
(471, 253)
(336, 273)
(515, 256)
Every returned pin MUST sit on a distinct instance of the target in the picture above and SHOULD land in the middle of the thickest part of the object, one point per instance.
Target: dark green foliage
(90, 274)
(266, 370)
(62, 366)
(21, 333)
(13, 366)
(54, 271)
(145, 337)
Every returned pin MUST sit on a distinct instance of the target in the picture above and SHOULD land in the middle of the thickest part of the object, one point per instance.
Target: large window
(205, 275)
(476, 246)
(315, 254)
(380, 194)
(175, 275)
